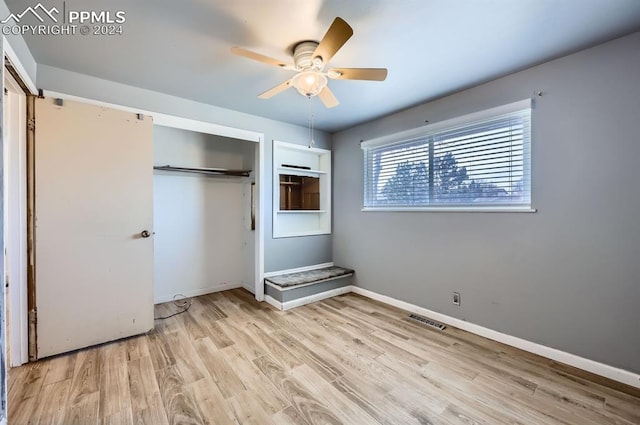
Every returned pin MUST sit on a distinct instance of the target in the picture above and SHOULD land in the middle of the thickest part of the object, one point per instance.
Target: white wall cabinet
(298, 211)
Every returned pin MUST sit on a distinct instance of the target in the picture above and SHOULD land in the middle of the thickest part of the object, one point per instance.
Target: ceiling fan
(309, 60)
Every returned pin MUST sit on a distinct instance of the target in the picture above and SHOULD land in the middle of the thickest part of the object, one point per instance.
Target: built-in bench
(292, 288)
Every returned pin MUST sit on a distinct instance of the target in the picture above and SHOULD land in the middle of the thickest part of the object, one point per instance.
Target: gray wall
(567, 276)
(279, 253)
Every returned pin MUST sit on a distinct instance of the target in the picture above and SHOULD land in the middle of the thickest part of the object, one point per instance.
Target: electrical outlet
(456, 298)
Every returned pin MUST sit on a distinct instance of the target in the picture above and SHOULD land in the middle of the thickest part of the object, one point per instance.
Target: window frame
(451, 124)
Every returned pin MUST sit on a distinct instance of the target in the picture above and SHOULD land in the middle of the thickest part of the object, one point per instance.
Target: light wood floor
(348, 360)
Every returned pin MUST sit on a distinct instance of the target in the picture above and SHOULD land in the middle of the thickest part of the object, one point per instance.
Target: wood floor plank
(628, 410)
(225, 378)
(272, 346)
(114, 383)
(160, 351)
(194, 326)
(217, 334)
(377, 406)
(137, 347)
(425, 408)
(311, 409)
(349, 360)
(84, 410)
(34, 380)
(321, 365)
(17, 376)
(86, 378)
(50, 406)
(408, 381)
(179, 404)
(289, 416)
(349, 412)
(155, 412)
(251, 377)
(241, 339)
(123, 417)
(213, 406)
(138, 388)
(247, 410)
(23, 411)
(186, 357)
(60, 368)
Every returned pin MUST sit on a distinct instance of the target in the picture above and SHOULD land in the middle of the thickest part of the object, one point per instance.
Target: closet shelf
(301, 170)
(208, 171)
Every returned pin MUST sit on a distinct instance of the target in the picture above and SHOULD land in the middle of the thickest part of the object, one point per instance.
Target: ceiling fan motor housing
(303, 56)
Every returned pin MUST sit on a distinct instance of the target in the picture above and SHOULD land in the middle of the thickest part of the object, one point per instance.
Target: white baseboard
(298, 270)
(613, 373)
(196, 292)
(272, 301)
(249, 287)
(288, 305)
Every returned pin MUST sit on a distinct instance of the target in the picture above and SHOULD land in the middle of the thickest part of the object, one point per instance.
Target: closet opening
(203, 190)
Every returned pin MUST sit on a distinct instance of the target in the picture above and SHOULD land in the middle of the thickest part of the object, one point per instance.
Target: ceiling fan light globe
(309, 83)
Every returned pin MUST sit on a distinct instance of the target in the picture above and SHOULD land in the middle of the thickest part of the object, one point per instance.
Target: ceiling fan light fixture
(309, 83)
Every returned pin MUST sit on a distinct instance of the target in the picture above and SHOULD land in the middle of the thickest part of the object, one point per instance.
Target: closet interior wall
(203, 240)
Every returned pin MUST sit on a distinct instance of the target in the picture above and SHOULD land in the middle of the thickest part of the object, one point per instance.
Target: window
(479, 161)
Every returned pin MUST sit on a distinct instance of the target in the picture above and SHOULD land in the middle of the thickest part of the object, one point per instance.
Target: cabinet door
(93, 200)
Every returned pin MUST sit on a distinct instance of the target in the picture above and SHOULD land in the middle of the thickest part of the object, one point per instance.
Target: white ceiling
(431, 47)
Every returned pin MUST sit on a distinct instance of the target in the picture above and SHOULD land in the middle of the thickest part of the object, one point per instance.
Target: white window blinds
(480, 160)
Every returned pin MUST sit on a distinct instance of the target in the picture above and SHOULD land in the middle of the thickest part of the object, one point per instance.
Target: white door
(93, 201)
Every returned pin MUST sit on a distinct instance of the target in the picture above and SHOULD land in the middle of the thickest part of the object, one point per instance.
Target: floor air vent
(428, 322)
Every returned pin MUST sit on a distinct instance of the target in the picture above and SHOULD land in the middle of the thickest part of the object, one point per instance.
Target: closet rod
(209, 171)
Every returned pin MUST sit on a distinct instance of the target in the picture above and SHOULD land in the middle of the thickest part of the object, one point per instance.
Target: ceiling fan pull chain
(311, 141)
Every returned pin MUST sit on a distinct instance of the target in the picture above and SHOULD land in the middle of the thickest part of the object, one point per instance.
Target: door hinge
(31, 124)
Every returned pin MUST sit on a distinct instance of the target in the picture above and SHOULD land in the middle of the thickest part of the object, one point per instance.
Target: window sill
(452, 209)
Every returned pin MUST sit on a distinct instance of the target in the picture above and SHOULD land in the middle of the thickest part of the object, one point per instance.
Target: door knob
(145, 233)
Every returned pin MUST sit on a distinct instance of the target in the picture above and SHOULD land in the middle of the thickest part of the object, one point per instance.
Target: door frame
(18, 321)
(15, 141)
(189, 124)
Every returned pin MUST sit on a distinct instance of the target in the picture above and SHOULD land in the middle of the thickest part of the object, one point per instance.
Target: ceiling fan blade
(275, 90)
(337, 34)
(327, 98)
(260, 58)
(371, 74)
